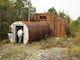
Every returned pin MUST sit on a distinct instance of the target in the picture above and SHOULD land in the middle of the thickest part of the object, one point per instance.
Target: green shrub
(75, 50)
(76, 39)
(47, 44)
(46, 36)
(61, 42)
(72, 51)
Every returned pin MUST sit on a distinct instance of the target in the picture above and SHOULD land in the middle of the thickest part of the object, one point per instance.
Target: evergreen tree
(11, 11)
(52, 11)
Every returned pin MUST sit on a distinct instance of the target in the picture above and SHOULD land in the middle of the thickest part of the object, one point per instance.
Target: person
(20, 34)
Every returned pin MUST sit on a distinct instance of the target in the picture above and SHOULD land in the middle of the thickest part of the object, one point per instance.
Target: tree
(78, 22)
(4, 7)
(67, 19)
(52, 11)
(62, 15)
(78, 19)
(10, 12)
(33, 10)
(74, 27)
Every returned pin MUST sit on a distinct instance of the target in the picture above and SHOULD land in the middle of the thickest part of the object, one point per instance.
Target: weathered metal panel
(57, 26)
(37, 30)
(42, 24)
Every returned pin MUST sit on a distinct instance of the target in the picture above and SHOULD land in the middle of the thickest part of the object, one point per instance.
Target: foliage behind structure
(11, 11)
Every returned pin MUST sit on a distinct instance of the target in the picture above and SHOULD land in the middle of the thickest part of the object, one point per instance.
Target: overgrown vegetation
(72, 51)
(69, 45)
(55, 42)
(11, 11)
(76, 39)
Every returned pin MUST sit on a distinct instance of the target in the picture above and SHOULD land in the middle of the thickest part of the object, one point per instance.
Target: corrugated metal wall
(57, 26)
(37, 30)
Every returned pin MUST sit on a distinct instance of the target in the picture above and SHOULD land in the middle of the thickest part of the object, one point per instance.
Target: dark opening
(44, 17)
(41, 17)
(17, 28)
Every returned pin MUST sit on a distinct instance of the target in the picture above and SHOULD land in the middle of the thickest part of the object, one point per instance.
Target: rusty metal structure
(37, 30)
(58, 27)
(31, 30)
(39, 26)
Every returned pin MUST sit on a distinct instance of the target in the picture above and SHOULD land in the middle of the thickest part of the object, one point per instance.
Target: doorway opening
(17, 39)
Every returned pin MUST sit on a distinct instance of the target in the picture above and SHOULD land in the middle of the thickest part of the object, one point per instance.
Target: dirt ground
(32, 51)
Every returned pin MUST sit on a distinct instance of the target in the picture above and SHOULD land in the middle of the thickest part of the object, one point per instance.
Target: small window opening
(41, 17)
(44, 17)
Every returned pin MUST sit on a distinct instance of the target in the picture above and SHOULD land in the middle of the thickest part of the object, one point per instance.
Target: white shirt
(19, 33)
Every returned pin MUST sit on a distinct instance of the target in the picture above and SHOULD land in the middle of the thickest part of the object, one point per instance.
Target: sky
(70, 7)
